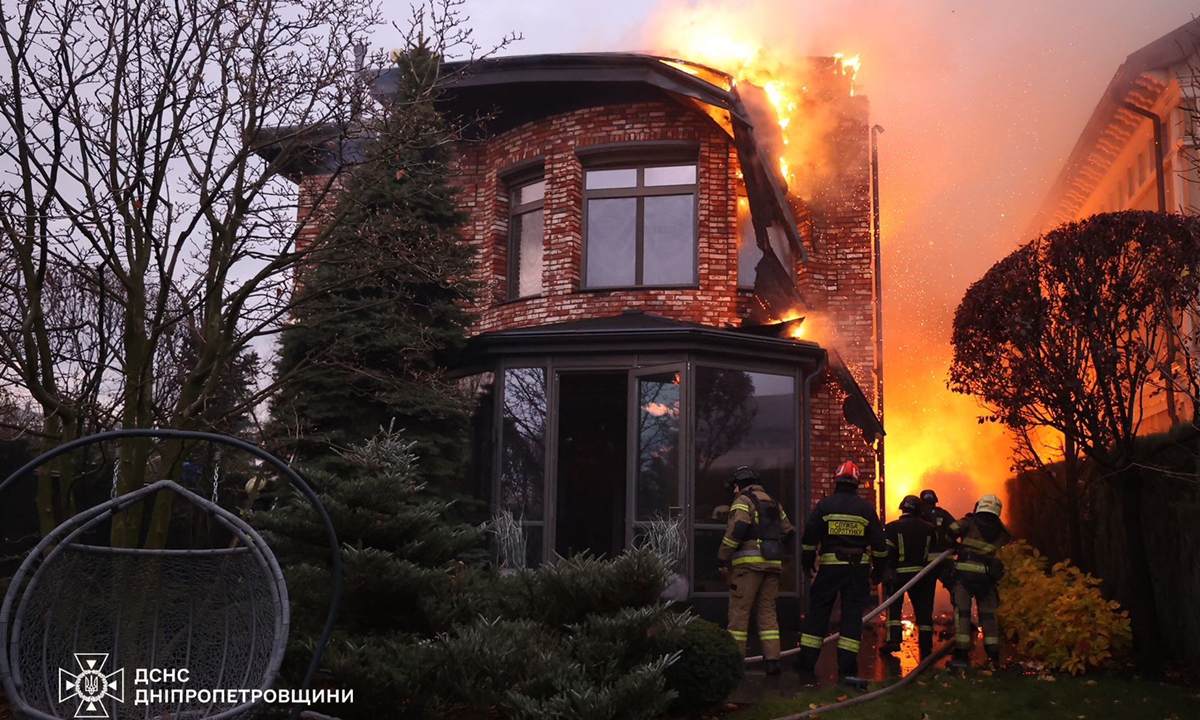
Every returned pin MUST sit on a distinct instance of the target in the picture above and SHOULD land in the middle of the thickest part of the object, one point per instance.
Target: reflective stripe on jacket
(737, 548)
(843, 526)
(909, 539)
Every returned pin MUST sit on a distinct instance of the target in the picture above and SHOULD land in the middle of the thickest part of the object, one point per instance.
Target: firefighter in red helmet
(751, 557)
(843, 534)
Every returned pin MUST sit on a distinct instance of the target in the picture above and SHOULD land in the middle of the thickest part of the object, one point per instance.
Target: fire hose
(899, 594)
(876, 694)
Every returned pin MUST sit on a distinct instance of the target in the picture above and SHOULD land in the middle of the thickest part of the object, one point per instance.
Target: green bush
(1059, 616)
(709, 667)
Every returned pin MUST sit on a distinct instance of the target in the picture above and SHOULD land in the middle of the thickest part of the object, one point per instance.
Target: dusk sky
(980, 101)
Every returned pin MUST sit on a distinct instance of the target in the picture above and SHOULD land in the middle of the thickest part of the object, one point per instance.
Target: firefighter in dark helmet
(751, 556)
(844, 534)
(941, 519)
(977, 570)
(909, 540)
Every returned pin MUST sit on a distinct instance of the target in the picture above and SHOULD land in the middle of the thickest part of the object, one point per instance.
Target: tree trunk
(1071, 476)
(1147, 631)
(47, 512)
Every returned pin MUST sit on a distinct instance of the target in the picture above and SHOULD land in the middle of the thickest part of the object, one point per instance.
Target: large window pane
(744, 418)
(657, 483)
(528, 231)
(612, 242)
(523, 438)
(669, 252)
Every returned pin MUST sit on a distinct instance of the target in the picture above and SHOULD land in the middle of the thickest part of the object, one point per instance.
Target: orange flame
(708, 38)
(933, 440)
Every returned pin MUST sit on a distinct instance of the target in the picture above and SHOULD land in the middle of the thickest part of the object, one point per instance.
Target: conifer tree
(386, 312)
(402, 553)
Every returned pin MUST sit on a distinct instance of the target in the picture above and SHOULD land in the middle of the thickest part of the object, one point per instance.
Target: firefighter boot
(859, 684)
(771, 667)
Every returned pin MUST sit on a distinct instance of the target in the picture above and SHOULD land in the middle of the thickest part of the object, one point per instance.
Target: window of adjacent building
(640, 226)
(525, 239)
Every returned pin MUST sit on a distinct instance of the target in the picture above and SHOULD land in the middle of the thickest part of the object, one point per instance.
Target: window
(523, 458)
(525, 239)
(640, 226)
(741, 418)
(748, 252)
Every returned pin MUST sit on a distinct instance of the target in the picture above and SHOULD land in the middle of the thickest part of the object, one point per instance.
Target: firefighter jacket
(941, 519)
(980, 536)
(742, 544)
(841, 528)
(909, 540)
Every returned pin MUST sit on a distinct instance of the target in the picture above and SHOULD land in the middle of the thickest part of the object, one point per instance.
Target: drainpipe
(1161, 181)
(880, 478)
(1159, 160)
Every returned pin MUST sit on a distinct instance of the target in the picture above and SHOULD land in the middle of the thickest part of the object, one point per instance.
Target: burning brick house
(1138, 151)
(659, 309)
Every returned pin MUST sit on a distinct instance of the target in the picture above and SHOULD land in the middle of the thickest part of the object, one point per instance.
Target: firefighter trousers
(921, 597)
(852, 583)
(987, 599)
(754, 590)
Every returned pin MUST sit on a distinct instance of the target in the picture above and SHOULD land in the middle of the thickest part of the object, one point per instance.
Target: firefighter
(751, 557)
(941, 519)
(977, 570)
(842, 528)
(909, 540)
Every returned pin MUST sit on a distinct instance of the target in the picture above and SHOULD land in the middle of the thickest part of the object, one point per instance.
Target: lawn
(1006, 695)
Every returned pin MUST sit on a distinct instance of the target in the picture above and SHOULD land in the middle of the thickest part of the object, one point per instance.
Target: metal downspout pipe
(1161, 182)
(880, 476)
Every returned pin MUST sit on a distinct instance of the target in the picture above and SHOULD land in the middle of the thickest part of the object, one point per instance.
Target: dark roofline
(636, 331)
(765, 193)
(640, 332)
(1168, 50)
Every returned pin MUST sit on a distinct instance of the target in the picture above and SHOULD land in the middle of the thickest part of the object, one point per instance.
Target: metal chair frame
(63, 538)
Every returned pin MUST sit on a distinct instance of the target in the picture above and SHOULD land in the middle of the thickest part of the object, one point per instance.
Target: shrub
(709, 667)
(1059, 616)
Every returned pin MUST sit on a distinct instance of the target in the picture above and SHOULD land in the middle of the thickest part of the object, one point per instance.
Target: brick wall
(714, 301)
(836, 283)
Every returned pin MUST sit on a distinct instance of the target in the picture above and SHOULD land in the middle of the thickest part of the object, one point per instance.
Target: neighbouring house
(658, 308)
(1138, 152)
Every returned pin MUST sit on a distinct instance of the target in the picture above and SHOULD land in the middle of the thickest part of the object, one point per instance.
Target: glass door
(656, 437)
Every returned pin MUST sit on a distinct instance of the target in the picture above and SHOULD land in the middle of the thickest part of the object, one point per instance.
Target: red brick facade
(836, 282)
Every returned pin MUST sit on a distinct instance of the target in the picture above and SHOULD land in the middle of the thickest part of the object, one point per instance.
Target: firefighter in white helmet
(977, 571)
